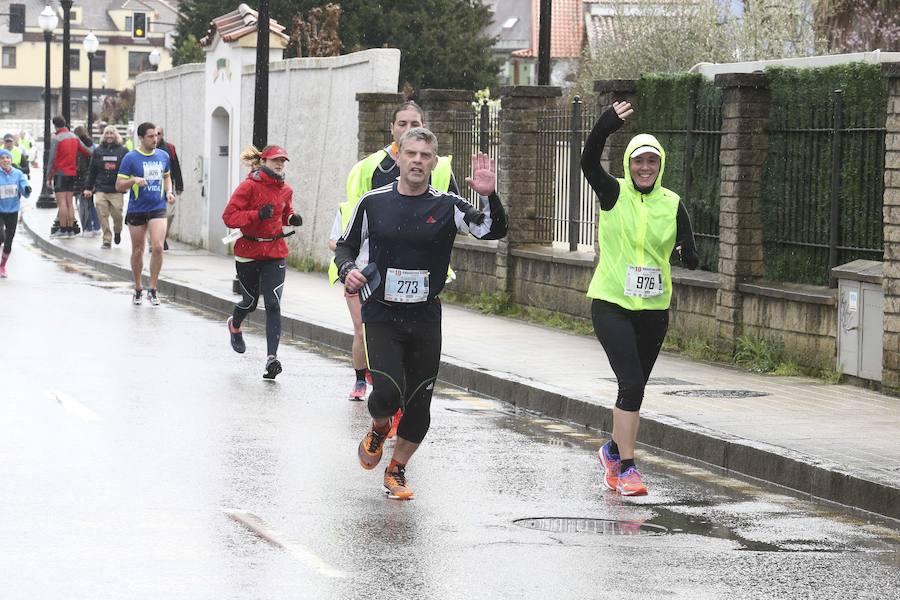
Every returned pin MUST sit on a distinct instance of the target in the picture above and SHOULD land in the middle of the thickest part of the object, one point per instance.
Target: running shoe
(117, 238)
(138, 297)
(273, 367)
(105, 246)
(395, 484)
(153, 296)
(612, 464)
(631, 484)
(369, 377)
(370, 448)
(395, 423)
(358, 393)
(237, 338)
(3, 273)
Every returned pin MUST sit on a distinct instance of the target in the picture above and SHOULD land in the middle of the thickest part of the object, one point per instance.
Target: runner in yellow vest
(374, 171)
(639, 225)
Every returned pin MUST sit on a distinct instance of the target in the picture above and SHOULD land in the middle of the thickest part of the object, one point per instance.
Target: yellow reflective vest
(359, 181)
(636, 234)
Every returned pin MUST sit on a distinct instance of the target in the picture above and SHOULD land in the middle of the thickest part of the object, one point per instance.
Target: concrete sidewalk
(837, 442)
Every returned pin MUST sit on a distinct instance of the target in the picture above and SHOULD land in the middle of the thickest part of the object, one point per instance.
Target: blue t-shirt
(12, 187)
(152, 167)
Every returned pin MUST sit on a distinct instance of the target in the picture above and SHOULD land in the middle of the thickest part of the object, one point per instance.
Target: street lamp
(47, 21)
(67, 63)
(90, 43)
(154, 59)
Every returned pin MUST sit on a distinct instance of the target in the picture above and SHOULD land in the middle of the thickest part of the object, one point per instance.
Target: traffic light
(139, 26)
(17, 18)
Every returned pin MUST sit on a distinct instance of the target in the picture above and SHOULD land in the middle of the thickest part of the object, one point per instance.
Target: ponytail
(251, 157)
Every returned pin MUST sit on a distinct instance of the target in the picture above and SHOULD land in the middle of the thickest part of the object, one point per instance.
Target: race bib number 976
(643, 282)
(407, 286)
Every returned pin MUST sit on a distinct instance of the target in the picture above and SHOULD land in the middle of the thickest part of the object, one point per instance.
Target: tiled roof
(566, 29)
(238, 23)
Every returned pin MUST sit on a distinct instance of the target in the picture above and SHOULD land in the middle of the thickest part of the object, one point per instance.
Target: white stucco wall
(313, 113)
(171, 99)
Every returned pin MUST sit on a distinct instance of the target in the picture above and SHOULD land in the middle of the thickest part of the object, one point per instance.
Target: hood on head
(643, 139)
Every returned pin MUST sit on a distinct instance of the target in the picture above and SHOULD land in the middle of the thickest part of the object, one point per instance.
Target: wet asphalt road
(142, 458)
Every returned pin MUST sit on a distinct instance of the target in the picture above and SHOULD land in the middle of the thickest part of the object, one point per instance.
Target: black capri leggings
(404, 360)
(8, 222)
(632, 340)
(264, 277)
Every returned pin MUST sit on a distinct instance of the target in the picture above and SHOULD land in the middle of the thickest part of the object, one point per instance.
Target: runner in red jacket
(260, 206)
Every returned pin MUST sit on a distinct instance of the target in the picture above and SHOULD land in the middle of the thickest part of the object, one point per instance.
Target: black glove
(295, 220)
(27, 190)
(266, 211)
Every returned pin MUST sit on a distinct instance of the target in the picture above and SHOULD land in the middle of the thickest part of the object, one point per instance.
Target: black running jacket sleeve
(604, 185)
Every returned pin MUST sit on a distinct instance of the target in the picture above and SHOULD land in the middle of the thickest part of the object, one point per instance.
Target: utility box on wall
(860, 318)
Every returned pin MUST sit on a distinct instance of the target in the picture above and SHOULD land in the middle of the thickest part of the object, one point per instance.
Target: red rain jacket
(260, 188)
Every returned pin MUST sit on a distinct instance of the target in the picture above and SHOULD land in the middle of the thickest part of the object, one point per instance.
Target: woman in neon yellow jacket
(640, 223)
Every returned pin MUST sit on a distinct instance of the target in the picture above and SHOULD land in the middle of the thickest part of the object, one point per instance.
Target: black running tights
(264, 277)
(8, 222)
(632, 340)
(403, 359)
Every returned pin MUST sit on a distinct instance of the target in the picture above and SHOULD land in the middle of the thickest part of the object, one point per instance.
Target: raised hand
(484, 175)
(623, 109)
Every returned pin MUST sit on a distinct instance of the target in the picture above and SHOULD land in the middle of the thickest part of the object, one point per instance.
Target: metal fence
(476, 130)
(565, 209)
(823, 193)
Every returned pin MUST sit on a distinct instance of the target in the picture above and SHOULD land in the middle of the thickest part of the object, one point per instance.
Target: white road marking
(262, 529)
(74, 406)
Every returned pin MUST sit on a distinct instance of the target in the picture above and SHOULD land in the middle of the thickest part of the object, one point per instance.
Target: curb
(761, 461)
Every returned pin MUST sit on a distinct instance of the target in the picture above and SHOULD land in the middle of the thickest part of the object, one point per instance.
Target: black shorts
(63, 183)
(142, 218)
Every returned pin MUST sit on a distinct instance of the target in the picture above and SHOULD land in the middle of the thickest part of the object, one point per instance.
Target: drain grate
(595, 526)
(655, 381)
(717, 393)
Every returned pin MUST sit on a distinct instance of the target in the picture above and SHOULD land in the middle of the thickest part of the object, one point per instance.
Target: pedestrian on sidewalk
(410, 227)
(144, 173)
(177, 180)
(13, 185)
(101, 184)
(63, 164)
(640, 223)
(374, 171)
(87, 212)
(260, 207)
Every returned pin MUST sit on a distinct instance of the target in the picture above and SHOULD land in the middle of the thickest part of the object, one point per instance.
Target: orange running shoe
(612, 464)
(631, 484)
(370, 449)
(395, 423)
(395, 484)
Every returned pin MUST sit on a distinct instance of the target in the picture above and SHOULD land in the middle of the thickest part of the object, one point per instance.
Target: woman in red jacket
(260, 206)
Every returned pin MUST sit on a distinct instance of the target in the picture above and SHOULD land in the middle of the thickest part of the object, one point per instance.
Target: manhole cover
(717, 393)
(599, 526)
(655, 381)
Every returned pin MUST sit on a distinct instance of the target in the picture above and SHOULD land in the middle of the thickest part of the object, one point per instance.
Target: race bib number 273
(402, 285)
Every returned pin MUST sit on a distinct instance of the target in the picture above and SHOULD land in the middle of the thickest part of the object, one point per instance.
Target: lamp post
(261, 91)
(67, 63)
(90, 46)
(154, 59)
(47, 21)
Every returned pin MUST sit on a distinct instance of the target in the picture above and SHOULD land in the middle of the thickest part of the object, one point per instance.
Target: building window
(74, 59)
(7, 107)
(99, 60)
(128, 24)
(138, 62)
(9, 57)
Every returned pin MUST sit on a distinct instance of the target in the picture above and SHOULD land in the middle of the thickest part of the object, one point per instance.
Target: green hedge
(662, 109)
(796, 193)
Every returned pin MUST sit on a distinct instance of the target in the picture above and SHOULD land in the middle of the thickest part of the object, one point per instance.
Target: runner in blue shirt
(13, 185)
(144, 173)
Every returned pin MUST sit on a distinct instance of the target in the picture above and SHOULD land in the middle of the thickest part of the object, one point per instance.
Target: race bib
(9, 191)
(152, 171)
(406, 286)
(643, 282)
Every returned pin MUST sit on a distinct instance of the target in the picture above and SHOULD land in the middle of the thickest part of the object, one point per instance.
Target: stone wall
(891, 280)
